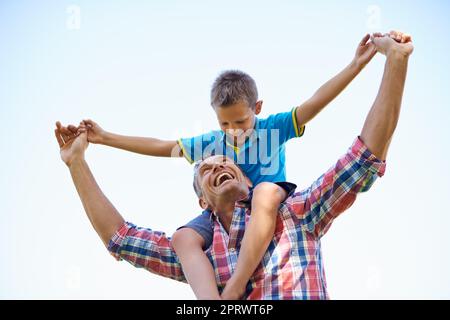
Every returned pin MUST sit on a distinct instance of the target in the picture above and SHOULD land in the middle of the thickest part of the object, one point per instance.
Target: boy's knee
(186, 237)
(267, 198)
(266, 186)
(269, 192)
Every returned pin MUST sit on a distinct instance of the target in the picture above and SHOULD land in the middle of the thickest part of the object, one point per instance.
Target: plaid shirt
(292, 267)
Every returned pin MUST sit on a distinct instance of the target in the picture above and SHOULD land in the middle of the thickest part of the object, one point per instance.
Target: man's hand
(365, 52)
(393, 42)
(72, 144)
(95, 133)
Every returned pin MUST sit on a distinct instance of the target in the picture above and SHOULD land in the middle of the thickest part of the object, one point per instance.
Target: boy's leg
(197, 268)
(258, 234)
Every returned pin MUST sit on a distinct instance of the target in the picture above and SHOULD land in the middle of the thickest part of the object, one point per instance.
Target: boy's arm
(331, 89)
(142, 145)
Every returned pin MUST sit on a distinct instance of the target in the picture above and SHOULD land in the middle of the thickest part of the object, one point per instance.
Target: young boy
(257, 146)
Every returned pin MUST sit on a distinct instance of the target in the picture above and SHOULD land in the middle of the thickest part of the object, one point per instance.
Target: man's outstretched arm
(356, 171)
(382, 119)
(105, 219)
(143, 248)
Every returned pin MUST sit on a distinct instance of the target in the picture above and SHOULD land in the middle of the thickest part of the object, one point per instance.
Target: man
(292, 266)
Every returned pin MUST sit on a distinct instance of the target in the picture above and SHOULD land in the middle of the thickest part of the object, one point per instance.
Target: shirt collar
(241, 204)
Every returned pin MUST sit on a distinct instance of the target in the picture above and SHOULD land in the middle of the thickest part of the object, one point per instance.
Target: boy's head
(234, 98)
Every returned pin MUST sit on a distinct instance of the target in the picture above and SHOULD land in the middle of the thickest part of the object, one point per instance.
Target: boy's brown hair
(232, 86)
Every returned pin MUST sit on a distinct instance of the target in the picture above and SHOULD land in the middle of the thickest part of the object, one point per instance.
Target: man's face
(237, 120)
(221, 181)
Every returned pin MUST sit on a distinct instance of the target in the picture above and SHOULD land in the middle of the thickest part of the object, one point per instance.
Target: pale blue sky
(146, 67)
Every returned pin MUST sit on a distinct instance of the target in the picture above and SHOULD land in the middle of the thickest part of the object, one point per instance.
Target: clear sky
(146, 68)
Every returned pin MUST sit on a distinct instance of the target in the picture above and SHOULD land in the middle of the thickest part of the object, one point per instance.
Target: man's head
(234, 98)
(219, 182)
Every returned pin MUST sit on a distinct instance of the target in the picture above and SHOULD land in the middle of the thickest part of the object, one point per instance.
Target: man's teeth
(222, 178)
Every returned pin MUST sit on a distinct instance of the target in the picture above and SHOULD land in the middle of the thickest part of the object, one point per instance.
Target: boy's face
(238, 120)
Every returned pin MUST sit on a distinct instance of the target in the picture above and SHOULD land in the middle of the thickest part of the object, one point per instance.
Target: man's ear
(249, 182)
(258, 106)
(202, 203)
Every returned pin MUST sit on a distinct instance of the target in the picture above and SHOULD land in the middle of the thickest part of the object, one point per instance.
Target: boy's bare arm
(331, 89)
(143, 145)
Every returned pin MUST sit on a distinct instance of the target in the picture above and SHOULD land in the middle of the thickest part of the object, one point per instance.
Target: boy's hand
(95, 133)
(365, 52)
(229, 293)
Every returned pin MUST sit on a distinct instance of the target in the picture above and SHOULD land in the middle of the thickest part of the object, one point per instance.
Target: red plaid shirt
(292, 267)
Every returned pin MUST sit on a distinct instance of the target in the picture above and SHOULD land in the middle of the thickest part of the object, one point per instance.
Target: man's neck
(225, 214)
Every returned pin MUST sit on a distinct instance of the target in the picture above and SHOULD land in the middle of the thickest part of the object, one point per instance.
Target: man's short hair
(232, 86)
(197, 188)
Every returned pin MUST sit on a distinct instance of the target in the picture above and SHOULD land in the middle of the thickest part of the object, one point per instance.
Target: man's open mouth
(221, 178)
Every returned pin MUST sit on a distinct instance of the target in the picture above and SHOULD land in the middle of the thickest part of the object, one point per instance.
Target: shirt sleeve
(336, 190)
(199, 147)
(286, 123)
(144, 248)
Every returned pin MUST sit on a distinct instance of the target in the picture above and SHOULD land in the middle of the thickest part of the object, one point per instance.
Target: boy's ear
(258, 106)
(202, 203)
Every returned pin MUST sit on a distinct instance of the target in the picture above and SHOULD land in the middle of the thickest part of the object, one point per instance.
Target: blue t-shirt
(261, 157)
